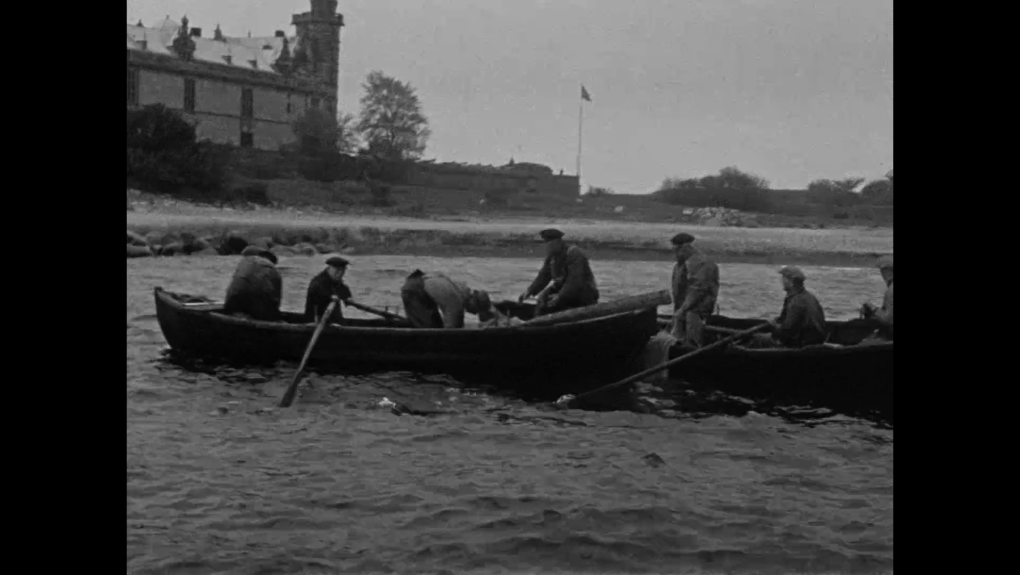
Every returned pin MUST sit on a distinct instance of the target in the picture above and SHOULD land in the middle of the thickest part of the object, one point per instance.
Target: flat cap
(260, 252)
(885, 262)
(337, 262)
(550, 234)
(681, 239)
(793, 273)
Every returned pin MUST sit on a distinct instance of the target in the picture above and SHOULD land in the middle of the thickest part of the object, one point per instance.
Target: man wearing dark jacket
(256, 288)
(802, 321)
(323, 287)
(565, 280)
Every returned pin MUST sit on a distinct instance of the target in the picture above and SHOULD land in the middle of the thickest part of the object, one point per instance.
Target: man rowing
(565, 280)
(328, 283)
(694, 287)
(435, 301)
(802, 321)
(256, 288)
(884, 314)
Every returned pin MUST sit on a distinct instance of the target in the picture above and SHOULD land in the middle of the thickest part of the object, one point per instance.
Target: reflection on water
(221, 481)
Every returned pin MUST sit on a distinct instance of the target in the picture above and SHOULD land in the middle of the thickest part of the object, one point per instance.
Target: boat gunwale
(218, 316)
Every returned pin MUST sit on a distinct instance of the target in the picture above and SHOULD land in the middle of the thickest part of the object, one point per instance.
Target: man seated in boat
(434, 300)
(695, 288)
(256, 289)
(565, 280)
(802, 321)
(323, 287)
(884, 315)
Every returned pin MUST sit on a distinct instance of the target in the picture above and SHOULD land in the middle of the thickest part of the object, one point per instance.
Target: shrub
(163, 154)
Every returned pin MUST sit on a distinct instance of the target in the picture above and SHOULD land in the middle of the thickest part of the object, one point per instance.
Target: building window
(289, 107)
(247, 139)
(189, 95)
(132, 86)
(315, 103)
(247, 103)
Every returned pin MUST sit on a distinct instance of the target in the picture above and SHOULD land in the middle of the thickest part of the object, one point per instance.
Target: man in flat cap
(323, 287)
(256, 288)
(802, 321)
(565, 280)
(695, 289)
(433, 300)
(884, 315)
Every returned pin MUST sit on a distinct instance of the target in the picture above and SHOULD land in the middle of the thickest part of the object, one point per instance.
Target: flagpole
(580, 127)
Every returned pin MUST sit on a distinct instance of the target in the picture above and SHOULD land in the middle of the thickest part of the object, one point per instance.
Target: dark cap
(337, 262)
(793, 273)
(885, 262)
(260, 252)
(682, 238)
(550, 234)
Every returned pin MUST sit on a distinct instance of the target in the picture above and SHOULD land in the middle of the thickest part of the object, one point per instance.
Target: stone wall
(493, 180)
(467, 178)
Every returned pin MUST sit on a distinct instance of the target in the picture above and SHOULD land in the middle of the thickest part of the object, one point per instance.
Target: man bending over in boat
(695, 288)
(884, 315)
(323, 287)
(565, 280)
(435, 301)
(256, 288)
(802, 321)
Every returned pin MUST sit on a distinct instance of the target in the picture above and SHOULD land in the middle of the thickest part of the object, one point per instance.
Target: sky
(791, 90)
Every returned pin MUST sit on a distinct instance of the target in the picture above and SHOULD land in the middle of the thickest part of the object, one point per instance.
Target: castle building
(241, 91)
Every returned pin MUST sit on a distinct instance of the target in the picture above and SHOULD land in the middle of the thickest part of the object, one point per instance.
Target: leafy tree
(878, 193)
(318, 131)
(835, 193)
(730, 188)
(391, 121)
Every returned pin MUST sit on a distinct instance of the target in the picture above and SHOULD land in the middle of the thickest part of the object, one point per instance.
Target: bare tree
(391, 121)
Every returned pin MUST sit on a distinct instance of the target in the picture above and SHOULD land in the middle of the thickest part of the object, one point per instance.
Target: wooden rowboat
(603, 346)
(839, 374)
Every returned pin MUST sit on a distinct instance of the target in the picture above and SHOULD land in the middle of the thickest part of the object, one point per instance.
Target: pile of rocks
(157, 243)
(721, 217)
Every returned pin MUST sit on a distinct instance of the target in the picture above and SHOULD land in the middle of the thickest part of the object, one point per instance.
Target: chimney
(228, 59)
(254, 64)
(279, 34)
(143, 44)
(196, 32)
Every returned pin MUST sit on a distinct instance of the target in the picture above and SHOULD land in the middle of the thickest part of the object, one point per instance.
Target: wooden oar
(288, 397)
(377, 312)
(567, 399)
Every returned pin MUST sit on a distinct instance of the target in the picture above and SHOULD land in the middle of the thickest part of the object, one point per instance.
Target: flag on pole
(584, 94)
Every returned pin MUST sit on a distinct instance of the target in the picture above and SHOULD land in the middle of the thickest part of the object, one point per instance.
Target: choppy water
(218, 484)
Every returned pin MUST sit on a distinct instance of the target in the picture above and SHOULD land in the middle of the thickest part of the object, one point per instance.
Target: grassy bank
(510, 237)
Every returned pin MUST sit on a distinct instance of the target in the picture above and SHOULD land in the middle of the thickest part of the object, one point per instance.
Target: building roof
(263, 51)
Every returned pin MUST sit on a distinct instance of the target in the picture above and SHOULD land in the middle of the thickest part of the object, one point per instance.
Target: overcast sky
(792, 90)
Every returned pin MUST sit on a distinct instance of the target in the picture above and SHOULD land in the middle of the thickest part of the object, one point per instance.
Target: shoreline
(315, 233)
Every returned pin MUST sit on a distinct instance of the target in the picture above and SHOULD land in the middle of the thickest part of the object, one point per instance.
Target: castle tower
(318, 34)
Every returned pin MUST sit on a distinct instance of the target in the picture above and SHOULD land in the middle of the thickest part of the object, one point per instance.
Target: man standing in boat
(565, 280)
(435, 301)
(802, 321)
(323, 287)
(884, 315)
(695, 289)
(256, 288)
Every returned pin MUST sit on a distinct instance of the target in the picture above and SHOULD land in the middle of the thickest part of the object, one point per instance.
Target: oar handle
(378, 312)
(288, 397)
(662, 366)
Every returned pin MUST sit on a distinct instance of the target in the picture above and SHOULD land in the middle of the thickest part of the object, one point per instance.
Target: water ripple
(219, 481)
